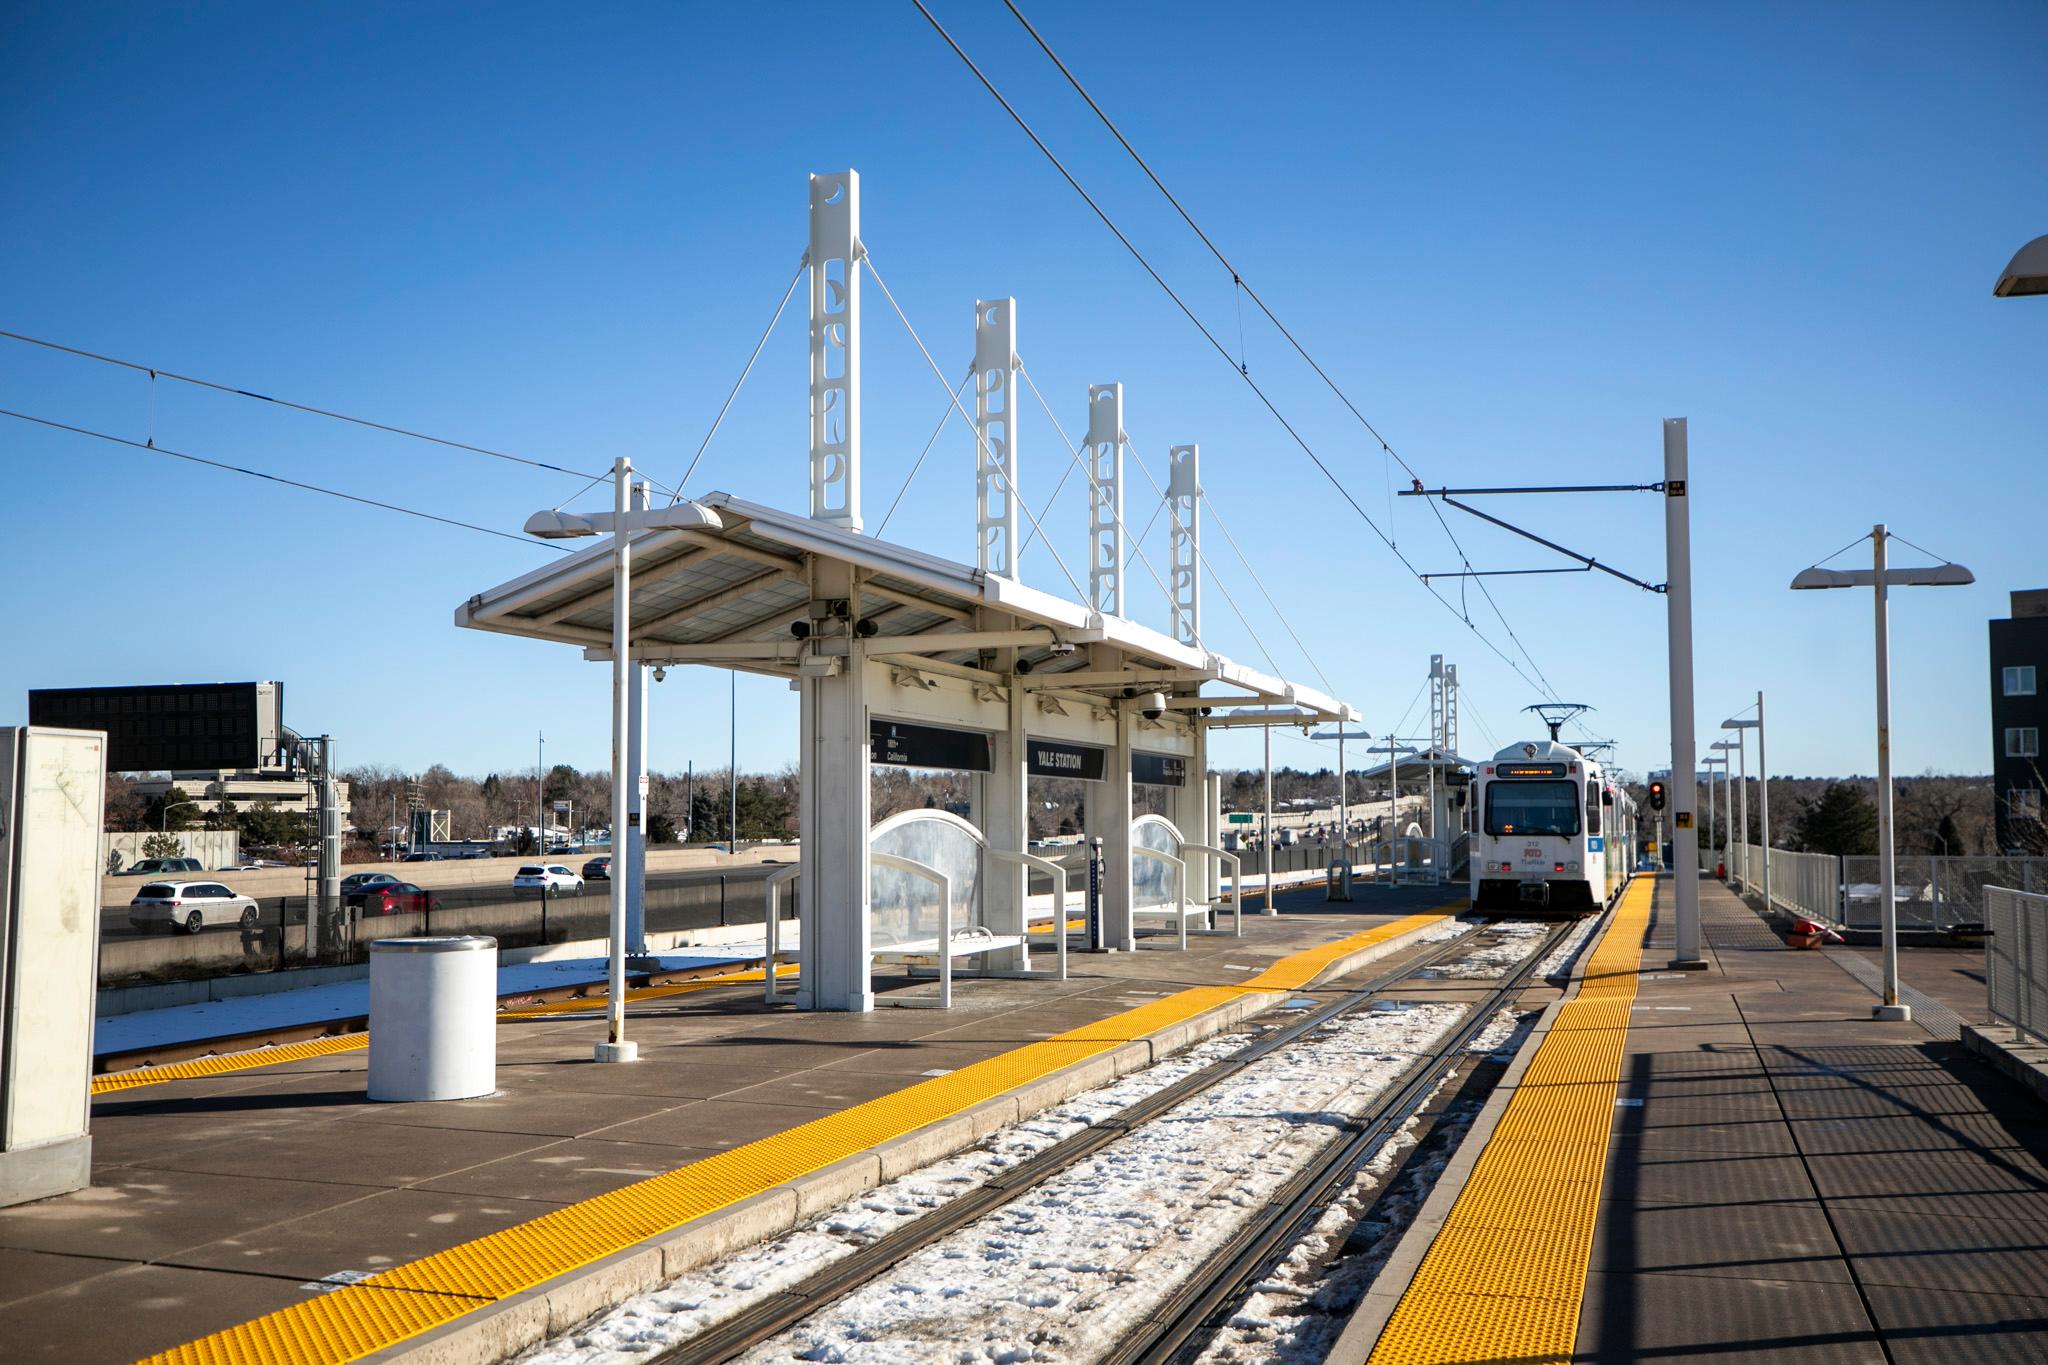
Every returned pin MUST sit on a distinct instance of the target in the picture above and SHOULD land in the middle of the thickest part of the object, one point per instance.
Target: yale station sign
(1051, 758)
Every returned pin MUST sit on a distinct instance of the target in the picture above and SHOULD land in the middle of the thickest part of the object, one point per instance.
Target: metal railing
(2016, 958)
(1808, 884)
(1930, 892)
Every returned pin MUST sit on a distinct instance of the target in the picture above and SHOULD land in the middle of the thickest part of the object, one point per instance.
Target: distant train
(1550, 833)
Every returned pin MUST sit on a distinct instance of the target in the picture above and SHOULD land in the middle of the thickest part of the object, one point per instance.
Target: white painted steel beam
(1183, 504)
(835, 356)
(995, 429)
(1104, 456)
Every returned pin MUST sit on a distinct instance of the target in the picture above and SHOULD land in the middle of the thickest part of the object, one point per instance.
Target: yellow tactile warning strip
(350, 1042)
(361, 1318)
(1504, 1277)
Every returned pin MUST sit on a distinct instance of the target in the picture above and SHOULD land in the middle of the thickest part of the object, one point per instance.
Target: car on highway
(421, 858)
(357, 885)
(547, 878)
(598, 869)
(396, 898)
(189, 906)
(160, 867)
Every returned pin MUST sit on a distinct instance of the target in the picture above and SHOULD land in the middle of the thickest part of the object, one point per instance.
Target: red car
(396, 898)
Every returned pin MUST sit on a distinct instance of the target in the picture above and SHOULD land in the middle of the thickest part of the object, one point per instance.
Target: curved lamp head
(2027, 273)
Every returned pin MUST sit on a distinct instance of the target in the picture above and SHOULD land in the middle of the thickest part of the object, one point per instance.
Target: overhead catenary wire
(156, 372)
(1242, 289)
(1293, 433)
(279, 478)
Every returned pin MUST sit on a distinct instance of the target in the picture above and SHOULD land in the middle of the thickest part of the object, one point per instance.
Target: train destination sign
(900, 743)
(1050, 758)
(1159, 770)
(1532, 770)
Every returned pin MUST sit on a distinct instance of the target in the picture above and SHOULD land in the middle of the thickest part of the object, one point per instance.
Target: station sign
(1050, 758)
(1159, 770)
(901, 744)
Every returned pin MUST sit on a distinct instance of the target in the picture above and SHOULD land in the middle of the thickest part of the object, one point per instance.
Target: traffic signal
(1656, 796)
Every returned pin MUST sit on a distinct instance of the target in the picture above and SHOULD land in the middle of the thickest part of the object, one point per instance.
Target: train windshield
(1532, 808)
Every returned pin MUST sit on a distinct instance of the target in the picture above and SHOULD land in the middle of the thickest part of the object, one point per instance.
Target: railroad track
(1192, 1311)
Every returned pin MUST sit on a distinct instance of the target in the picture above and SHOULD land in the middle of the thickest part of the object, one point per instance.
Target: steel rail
(785, 1309)
(1181, 1327)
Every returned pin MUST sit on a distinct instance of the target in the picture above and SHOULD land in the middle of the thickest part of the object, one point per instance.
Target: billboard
(174, 727)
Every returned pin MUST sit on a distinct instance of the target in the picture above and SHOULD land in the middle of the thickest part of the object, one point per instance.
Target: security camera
(660, 672)
(1062, 648)
(1153, 705)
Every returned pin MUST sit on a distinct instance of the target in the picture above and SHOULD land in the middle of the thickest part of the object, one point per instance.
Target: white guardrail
(1808, 884)
(2016, 958)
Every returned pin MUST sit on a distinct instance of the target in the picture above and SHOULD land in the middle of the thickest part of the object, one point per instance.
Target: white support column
(1887, 869)
(1685, 839)
(1105, 457)
(835, 349)
(1119, 928)
(995, 426)
(1212, 815)
(1184, 506)
(616, 1048)
(1451, 709)
(1006, 824)
(1763, 798)
(1266, 841)
(835, 804)
(629, 851)
(1439, 721)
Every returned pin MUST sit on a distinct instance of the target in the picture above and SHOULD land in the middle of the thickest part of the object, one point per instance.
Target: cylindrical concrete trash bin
(433, 1018)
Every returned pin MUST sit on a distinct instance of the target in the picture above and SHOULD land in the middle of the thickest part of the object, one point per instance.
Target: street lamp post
(1340, 734)
(1710, 763)
(1726, 747)
(621, 523)
(1880, 578)
(165, 826)
(2027, 273)
(1763, 800)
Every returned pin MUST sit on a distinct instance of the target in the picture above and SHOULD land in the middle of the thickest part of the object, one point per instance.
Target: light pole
(1726, 747)
(2026, 273)
(165, 826)
(1710, 763)
(1763, 798)
(1340, 734)
(621, 523)
(1880, 578)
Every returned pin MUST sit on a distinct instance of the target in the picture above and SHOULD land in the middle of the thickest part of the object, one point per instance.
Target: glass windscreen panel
(904, 907)
(1152, 880)
(1527, 808)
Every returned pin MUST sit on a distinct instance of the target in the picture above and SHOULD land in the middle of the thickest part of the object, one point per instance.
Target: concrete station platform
(220, 1202)
(1740, 1164)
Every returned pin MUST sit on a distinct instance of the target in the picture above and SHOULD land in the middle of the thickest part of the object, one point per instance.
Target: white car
(189, 906)
(547, 877)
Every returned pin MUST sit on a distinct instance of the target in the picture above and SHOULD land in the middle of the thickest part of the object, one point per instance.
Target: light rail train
(1551, 833)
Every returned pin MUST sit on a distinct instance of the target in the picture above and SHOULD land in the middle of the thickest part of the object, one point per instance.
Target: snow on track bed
(1513, 940)
(1062, 1273)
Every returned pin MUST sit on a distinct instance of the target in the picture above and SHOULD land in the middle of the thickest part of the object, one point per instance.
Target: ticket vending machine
(53, 786)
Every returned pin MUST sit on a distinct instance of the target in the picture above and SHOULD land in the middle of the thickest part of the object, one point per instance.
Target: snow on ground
(1514, 940)
(1064, 1271)
(712, 1293)
(1296, 1314)
(1449, 929)
(1567, 952)
(345, 1000)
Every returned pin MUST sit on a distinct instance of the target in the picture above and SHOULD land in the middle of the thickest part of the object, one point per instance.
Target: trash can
(433, 1018)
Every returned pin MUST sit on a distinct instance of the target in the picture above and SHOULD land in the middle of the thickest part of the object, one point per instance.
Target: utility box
(53, 786)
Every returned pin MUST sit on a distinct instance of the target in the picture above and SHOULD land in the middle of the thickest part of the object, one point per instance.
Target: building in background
(2019, 717)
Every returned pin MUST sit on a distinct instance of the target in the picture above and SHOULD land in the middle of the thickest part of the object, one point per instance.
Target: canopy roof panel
(729, 595)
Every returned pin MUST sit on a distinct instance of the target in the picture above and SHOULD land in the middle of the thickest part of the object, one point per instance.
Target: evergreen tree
(1842, 822)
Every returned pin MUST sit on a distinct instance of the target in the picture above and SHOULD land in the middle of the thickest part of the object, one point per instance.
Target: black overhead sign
(1050, 758)
(928, 746)
(1159, 770)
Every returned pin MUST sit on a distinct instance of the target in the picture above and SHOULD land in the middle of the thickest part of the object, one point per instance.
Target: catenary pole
(1684, 754)
(616, 1048)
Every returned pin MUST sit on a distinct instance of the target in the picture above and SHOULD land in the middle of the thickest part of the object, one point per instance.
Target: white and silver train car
(1550, 833)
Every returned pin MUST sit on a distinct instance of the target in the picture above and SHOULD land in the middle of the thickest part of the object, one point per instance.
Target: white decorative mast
(1106, 498)
(1183, 505)
(835, 349)
(995, 429)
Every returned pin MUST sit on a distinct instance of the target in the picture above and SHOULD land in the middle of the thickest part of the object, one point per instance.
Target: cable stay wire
(1281, 616)
(945, 414)
(156, 372)
(281, 479)
(1259, 392)
(1163, 504)
(725, 407)
(868, 260)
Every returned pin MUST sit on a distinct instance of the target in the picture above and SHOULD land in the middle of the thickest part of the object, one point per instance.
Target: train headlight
(1573, 865)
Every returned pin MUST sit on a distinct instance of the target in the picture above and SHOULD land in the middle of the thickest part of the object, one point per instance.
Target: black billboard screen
(1158, 770)
(178, 727)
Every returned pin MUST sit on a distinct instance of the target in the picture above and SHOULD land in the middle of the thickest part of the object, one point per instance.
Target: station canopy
(730, 593)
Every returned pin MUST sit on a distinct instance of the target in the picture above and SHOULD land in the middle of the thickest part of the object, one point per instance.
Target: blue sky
(1520, 236)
